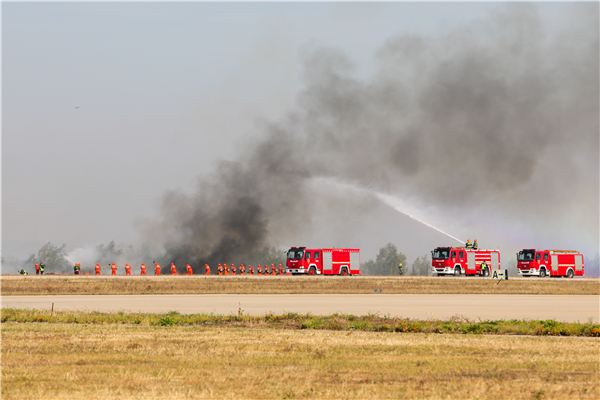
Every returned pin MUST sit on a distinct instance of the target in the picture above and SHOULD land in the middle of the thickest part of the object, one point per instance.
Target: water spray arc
(389, 201)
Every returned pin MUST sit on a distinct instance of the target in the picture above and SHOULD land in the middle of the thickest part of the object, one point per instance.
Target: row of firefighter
(222, 269)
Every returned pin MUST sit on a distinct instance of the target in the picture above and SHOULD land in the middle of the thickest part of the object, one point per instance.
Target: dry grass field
(199, 284)
(68, 361)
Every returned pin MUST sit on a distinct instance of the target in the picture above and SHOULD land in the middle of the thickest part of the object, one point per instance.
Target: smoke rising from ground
(500, 116)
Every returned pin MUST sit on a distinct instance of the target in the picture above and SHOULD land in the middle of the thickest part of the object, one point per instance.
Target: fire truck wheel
(344, 272)
(570, 273)
(457, 271)
(542, 273)
(312, 271)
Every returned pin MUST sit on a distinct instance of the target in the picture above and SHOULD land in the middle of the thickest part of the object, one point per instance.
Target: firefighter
(484, 269)
(127, 269)
(475, 245)
(242, 269)
(468, 245)
(42, 266)
(23, 272)
(266, 269)
(273, 269)
(113, 269)
(259, 269)
(143, 269)
(220, 269)
(98, 268)
(250, 270)
(77, 269)
(37, 269)
(226, 269)
(173, 269)
(189, 269)
(280, 270)
(157, 269)
(206, 269)
(233, 270)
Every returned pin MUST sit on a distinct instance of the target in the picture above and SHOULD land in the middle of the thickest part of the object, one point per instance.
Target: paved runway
(567, 308)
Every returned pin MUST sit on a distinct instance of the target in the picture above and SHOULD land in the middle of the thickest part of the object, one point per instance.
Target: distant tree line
(389, 261)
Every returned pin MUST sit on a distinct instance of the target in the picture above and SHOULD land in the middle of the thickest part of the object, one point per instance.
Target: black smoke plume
(500, 115)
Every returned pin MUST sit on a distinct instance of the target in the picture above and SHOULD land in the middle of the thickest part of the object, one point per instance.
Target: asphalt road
(567, 308)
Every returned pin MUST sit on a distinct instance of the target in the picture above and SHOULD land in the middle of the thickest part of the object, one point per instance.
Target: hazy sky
(106, 106)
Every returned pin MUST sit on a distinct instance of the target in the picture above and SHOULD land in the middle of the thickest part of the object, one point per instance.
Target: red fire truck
(461, 260)
(301, 260)
(531, 262)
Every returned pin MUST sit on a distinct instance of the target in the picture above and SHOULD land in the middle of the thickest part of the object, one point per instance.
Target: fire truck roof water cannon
(553, 263)
(302, 260)
(467, 260)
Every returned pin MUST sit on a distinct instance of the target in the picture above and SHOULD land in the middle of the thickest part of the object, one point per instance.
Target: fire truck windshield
(441, 254)
(295, 254)
(526, 255)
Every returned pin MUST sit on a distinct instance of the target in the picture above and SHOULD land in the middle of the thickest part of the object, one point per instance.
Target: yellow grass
(114, 361)
(198, 284)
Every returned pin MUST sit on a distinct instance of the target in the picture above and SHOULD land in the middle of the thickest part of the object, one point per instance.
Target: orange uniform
(250, 270)
(232, 269)
(242, 269)
(220, 269)
(113, 268)
(127, 269)
(207, 269)
(259, 269)
(266, 269)
(157, 270)
(37, 269)
(98, 269)
(226, 269)
(173, 269)
(189, 269)
(143, 271)
(280, 270)
(273, 270)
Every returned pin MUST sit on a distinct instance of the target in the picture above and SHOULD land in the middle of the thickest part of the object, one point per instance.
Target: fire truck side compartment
(470, 260)
(327, 261)
(355, 261)
(495, 261)
(554, 262)
(579, 262)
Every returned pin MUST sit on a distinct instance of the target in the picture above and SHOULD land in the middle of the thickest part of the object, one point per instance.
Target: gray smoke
(498, 116)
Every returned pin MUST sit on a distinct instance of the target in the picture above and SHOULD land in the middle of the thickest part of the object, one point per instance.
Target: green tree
(53, 257)
(272, 255)
(421, 266)
(108, 254)
(387, 262)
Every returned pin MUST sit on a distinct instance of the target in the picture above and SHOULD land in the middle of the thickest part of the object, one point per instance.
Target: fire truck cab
(460, 260)
(554, 263)
(301, 260)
